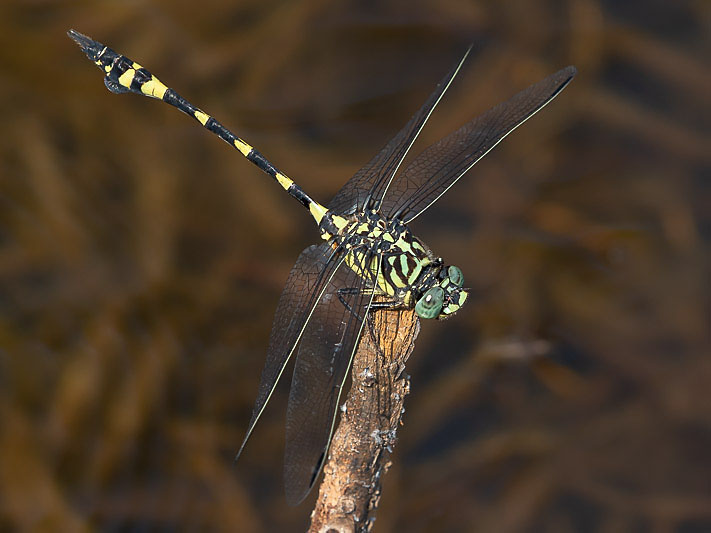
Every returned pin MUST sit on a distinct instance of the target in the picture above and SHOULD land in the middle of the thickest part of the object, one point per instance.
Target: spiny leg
(381, 304)
(375, 305)
(122, 75)
(350, 291)
(354, 291)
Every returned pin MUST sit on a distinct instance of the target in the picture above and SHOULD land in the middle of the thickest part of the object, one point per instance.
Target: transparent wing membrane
(307, 282)
(320, 317)
(371, 181)
(438, 167)
(323, 361)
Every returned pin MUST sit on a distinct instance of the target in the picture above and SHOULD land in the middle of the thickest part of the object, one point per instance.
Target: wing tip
(239, 452)
(295, 491)
(571, 71)
(561, 78)
(293, 499)
(568, 73)
(252, 424)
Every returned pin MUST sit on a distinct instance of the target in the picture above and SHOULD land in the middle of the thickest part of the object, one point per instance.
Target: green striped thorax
(408, 273)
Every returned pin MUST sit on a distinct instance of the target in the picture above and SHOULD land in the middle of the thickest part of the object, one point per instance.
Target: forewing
(311, 274)
(436, 169)
(323, 361)
(372, 180)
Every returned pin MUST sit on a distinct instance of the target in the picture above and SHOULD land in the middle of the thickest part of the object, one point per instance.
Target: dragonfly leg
(352, 291)
(382, 304)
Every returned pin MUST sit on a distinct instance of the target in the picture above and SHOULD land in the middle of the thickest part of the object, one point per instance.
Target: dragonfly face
(445, 297)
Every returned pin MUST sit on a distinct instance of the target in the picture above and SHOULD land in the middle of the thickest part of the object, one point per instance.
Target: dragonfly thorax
(403, 268)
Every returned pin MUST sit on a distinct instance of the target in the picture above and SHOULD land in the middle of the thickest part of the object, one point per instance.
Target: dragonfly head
(444, 297)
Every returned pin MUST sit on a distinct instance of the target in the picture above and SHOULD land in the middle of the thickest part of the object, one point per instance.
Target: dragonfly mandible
(369, 259)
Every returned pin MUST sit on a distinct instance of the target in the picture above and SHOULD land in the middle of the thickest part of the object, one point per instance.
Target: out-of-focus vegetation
(141, 261)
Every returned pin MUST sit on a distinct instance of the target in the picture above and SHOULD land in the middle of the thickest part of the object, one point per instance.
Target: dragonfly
(369, 258)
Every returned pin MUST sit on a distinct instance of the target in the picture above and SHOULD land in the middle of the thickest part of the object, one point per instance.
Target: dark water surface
(141, 261)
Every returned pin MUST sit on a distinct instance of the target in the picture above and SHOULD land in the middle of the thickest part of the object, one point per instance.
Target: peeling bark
(360, 451)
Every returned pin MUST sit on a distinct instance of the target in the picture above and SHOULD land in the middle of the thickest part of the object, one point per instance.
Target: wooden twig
(361, 447)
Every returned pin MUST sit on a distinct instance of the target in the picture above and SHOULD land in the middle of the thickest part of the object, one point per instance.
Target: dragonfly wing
(436, 169)
(312, 273)
(371, 181)
(324, 358)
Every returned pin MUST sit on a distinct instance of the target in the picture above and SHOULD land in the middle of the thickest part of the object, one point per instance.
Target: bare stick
(361, 447)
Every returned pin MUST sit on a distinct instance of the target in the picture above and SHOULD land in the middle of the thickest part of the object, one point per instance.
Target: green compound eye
(456, 304)
(430, 305)
(455, 274)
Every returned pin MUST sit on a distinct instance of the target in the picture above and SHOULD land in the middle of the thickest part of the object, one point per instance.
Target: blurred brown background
(141, 261)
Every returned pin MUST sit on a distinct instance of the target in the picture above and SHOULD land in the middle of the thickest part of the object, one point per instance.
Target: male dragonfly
(369, 259)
